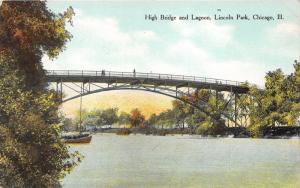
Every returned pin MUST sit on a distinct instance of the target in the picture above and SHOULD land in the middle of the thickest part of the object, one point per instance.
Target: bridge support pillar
(217, 98)
(61, 91)
(80, 107)
(235, 109)
(57, 87)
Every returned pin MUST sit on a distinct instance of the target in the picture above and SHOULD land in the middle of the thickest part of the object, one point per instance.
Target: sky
(114, 35)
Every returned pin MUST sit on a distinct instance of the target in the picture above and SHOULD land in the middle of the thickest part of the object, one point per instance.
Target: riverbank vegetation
(259, 112)
(31, 151)
(278, 104)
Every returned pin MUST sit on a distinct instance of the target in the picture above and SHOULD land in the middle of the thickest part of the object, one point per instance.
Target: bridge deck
(145, 78)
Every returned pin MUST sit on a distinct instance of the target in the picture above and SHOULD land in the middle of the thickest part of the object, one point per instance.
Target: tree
(243, 103)
(277, 104)
(97, 117)
(136, 117)
(32, 153)
(109, 116)
(67, 124)
(152, 120)
(293, 92)
(166, 118)
(28, 31)
(124, 119)
(181, 111)
(209, 113)
(84, 118)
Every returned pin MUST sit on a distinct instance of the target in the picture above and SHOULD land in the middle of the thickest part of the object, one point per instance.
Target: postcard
(147, 94)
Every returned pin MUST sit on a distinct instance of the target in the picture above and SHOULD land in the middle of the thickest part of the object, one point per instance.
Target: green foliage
(277, 104)
(208, 118)
(181, 112)
(67, 124)
(124, 118)
(97, 117)
(108, 116)
(31, 154)
(85, 119)
(152, 121)
(28, 30)
(205, 128)
(256, 130)
(166, 119)
(31, 149)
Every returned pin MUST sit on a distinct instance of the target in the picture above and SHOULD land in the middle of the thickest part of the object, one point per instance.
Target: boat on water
(81, 138)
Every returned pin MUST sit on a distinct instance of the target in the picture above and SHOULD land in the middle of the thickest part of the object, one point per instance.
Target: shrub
(123, 132)
(209, 128)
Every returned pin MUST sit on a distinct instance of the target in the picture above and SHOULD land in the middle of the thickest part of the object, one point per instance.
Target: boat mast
(80, 109)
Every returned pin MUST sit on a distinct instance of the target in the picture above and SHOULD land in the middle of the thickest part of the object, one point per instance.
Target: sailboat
(81, 137)
(78, 138)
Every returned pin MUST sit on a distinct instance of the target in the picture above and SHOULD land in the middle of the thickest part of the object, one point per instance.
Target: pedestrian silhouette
(133, 72)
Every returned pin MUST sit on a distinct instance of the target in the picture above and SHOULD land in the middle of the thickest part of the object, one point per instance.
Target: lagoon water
(139, 161)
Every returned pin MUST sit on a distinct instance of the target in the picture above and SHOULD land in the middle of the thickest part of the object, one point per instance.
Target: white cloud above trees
(103, 43)
(206, 30)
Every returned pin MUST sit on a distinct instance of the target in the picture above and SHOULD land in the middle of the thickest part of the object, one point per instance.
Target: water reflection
(186, 161)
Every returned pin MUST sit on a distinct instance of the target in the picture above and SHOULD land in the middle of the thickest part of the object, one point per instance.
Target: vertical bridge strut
(176, 86)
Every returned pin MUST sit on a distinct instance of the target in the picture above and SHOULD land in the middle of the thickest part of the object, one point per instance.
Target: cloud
(283, 40)
(105, 29)
(191, 59)
(108, 30)
(286, 29)
(285, 32)
(102, 43)
(145, 35)
(205, 30)
(75, 59)
(48, 64)
(187, 49)
(250, 71)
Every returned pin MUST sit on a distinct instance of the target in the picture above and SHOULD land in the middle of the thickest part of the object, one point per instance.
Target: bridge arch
(175, 94)
(136, 89)
(175, 86)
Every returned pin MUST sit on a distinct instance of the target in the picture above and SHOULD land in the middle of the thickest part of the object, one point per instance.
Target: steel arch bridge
(84, 83)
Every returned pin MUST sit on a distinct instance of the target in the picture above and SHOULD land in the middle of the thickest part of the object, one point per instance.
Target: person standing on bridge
(133, 72)
(103, 72)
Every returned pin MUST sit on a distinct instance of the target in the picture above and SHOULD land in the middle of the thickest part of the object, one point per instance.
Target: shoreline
(203, 137)
(166, 132)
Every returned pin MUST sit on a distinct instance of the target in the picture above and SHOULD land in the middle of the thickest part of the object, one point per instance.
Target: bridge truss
(179, 87)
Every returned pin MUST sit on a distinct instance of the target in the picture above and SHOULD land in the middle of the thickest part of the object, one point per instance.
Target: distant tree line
(206, 121)
(105, 118)
(278, 104)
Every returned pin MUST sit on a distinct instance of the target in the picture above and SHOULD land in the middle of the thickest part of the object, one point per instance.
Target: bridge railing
(87, 73)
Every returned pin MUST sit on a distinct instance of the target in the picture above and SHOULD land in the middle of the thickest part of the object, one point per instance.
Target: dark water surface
(186, 161)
